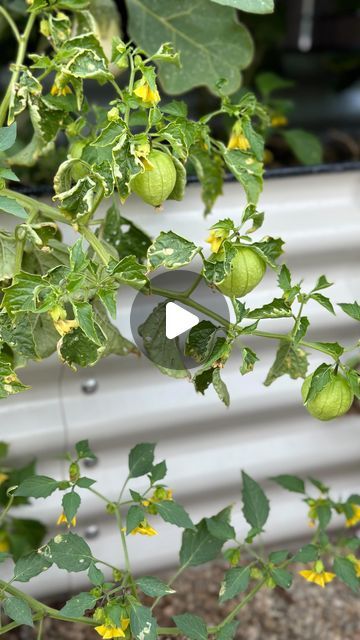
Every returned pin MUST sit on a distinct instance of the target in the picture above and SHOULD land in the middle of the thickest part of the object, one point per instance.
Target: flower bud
(74, 472)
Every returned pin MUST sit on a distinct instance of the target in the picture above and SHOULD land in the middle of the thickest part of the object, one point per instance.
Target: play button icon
(178, 320)
(165, 319)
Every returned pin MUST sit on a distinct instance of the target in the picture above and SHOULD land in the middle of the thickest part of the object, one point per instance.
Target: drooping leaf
(11, 206)
(70, 552)
(247, 170)
(142, 623)
(199, 547)
(351, 309)
(255, 503)
(30, 565)
(37, 487)
(305, 146)
(291, 360)
(291, 483)
(7, 137)
(345, 570)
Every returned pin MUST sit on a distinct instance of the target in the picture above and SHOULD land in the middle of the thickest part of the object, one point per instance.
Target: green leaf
(193, 32)
(277, 557)
(178, 191)
(30, 565)
(141, 458)
(351, 309)
(210, 173)
(353, 378)
(324, 301)
(135, 515)
(71, 503)
(247, 170)
(334, 349)
(278, 308)
(322, 283)
(291, 360)
(200, 340)
(249, 358)
(319, 379)
(83, 450)
(116, 343)
(16, 608)
(191, 626)
(142, 623)
(10, 205)
(124, 235)
(158, 472)
(305, 146)
(84, 315)
(170, 251)
(291, 483)
(216, 270)
(269, 249)
(7, 137)
(163, 352)
(302, 329)
(9, 382)
(70, 552)
(7, 253)
(228, 631)
(75, 348)
(282, 578)
(153, 587)
(267, 82)
(220, 528)
(323, 512)
(309, 553)
(95, 575)
(255, 503)
(174, 513)
(77, 605)
(37, 487)
(235, 581)
(130, 271)
(284, 279)
(21, 296)
(345, 570)
(199, 547)
(220, 387)
(85, 483)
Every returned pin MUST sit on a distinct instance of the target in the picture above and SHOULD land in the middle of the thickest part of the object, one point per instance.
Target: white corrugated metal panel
(266, 430)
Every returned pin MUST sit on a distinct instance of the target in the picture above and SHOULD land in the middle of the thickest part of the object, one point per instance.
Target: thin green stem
(100, 495)
(130, 88)
(10, 22)
(241, 605)
(194, 285)
(125, 549)
(173, 295)
(6, 510)
(117, 88)
(8, 99)
(95, 243)
(40, 629)
(35, 205)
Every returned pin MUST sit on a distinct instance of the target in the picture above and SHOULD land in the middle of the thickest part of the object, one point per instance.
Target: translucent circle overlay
(148, 316)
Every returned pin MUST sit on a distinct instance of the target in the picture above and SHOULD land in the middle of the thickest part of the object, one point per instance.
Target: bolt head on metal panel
(89, 386)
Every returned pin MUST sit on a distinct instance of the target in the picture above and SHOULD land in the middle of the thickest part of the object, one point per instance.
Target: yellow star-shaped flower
(216, 238)
(317, 574)
(144, 529)
(355, 518)
(62, 519)
(149, 97)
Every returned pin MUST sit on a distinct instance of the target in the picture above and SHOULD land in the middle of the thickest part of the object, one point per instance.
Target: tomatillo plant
(56, 298)
(115, 606)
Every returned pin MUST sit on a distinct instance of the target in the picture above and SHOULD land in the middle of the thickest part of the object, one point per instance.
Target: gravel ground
(305, 612)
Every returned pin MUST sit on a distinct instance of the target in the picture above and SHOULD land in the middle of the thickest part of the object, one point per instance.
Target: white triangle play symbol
(178, 320)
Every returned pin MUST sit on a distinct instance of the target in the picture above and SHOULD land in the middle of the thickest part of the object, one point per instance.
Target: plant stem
(130, 88)
(8, 99)
(6, 510)
(99, 495)
(11, 23)
(95, 243)
(40, 629)
(174, 295)
(30, 203)
(241, 604)
(125, 549)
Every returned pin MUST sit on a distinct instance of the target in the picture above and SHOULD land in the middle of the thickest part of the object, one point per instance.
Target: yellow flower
(58, 90)
(62, 519)
(3, 477)
(279, 121)
(317, 574)
(148, 96)
(355, 518)
(108, 631)
(216, 238)
(237, 139)
(159, 494)
(4, 546)
(61, 324)
(145, 529)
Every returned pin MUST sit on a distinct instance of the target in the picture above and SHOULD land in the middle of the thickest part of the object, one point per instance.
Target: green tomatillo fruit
(332, 401)
(156, 183)
(247, 269)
